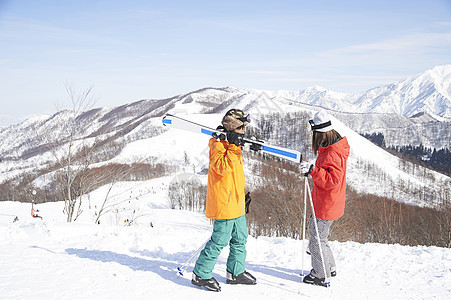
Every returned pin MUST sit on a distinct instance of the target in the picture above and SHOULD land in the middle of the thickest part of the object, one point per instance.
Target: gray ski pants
(329, 261)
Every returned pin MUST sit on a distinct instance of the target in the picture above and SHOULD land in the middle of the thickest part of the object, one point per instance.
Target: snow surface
(52, 259)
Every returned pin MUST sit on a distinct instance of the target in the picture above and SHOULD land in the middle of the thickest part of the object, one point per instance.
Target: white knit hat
(322, 122)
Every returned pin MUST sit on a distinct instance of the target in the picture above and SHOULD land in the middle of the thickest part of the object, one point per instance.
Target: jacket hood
(341, 147)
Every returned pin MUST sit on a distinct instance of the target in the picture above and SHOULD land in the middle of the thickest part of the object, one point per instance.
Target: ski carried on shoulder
(172, 121)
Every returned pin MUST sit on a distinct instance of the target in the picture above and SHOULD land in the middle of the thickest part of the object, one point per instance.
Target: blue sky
(132, 50)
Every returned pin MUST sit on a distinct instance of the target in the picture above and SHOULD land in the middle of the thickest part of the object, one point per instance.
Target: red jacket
(329, 181)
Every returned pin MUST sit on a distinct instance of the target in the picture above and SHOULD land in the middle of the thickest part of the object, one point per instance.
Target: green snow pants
(233, 231)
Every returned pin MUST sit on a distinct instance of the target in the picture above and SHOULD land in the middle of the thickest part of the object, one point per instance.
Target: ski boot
(310, 279)
(210, 284)
(243, 278)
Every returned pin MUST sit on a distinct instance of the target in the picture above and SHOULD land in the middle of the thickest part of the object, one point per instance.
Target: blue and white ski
(172, 121)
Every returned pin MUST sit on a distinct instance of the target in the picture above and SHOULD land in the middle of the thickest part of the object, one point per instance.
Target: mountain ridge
(31, 146)
(428, 92)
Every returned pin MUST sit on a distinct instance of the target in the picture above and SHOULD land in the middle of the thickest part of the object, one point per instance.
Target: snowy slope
(51, 259)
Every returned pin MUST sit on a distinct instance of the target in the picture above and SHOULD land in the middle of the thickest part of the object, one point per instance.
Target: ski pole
(303, 229)
(182, 269)
(326, 282)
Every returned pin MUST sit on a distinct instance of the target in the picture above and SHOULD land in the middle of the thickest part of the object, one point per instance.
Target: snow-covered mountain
(6, 120)
(429, 92)
(399, 130)
(32, 146)
(134, 132)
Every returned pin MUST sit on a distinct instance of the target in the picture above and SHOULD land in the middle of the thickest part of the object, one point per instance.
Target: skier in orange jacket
(226, 205)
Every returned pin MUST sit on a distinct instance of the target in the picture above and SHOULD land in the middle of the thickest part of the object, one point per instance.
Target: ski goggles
(239, 115)
(246, 118)
(313, 127)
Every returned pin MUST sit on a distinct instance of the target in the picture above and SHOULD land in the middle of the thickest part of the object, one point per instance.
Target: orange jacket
(225, 189)
(329, 180)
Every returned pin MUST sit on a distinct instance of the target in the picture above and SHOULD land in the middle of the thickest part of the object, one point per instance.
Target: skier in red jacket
(328, 193)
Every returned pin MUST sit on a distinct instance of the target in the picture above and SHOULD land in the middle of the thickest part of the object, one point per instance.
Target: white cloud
(418, 43)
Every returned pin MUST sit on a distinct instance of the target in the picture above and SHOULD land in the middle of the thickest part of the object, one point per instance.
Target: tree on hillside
(73, 152)
(74, 163)
(116, 173)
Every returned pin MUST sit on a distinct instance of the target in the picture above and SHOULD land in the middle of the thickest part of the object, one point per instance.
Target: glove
(235, 138)
(218, 136)
(247, 202)
(306, 168)
(256, 147)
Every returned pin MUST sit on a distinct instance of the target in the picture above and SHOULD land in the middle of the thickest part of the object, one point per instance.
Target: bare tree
(119, 173)
(75, 165)
(72, 151)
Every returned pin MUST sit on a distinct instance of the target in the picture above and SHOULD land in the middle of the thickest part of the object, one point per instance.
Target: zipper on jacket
(243, 210)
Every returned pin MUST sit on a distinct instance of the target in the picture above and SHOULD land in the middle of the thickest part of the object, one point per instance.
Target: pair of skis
(172, 121)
